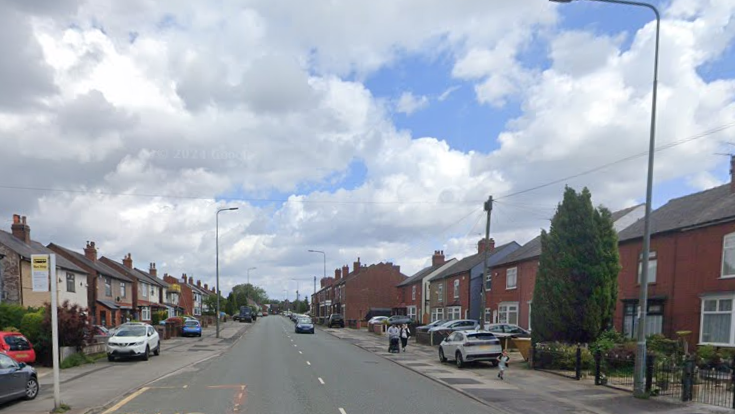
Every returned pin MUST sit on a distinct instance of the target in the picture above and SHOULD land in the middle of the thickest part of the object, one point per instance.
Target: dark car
(425, 328)
(400, 320)
(336, 320)
(18, 380)
(246, 314)
(304, 325)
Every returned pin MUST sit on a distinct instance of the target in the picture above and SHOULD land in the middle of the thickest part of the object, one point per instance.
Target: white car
(133, 340)
(377, 320)
(470, 346)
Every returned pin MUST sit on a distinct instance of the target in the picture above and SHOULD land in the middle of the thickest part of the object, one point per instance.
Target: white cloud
(444, 95)
(408, 103)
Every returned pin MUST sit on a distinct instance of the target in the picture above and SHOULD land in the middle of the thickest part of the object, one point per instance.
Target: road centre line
(125, 400)
(308, 363)
(342, 410)
(301, 353)
(321, 380)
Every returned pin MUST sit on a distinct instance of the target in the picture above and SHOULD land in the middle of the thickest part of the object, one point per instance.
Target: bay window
(716, 326)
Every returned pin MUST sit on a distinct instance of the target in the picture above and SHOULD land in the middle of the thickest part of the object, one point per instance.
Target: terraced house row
(691, 276)
(113, 291)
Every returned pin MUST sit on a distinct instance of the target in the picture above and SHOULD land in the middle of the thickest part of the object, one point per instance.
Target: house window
(122, 289)
(145, 312)
(488, 315)
(508, 313)
(728, 256)
(440, 292)
(413, 292)
(716, 321)
(143, 290)
(511, 278)
(454, 312)
(70, 285)
(654, 318)
(652, 265)
(456, 288)
(437, 314)
(411, 312)
(488, 280)
(108, 287)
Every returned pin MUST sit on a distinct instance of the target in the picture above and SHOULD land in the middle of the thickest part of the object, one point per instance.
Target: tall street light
(217, 259)
(639, 383)
(249, 269)
(325, 272)
(250, 287)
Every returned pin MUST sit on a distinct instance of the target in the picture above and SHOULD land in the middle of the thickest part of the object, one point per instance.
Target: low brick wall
(378, 328)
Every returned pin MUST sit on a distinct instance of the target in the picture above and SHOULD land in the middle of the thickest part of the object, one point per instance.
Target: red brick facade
(368, 287)
(510, 304)
(451, 292)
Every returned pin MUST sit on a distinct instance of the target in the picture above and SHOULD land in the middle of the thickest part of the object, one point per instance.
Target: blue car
(191, 328)
(304, 325)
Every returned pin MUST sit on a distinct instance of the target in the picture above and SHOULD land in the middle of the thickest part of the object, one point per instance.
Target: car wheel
(157, 351)
(31, 389)
(442, 358)
(146, 353)
(460, 361)
(200, 334)
(110, 358)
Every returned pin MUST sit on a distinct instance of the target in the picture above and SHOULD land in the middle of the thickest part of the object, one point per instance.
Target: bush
(11, 315)
(663, 346)
(607, 341)
(75, 360)
(10, 329)
(32, 326)
(157, 317)
(560, 356)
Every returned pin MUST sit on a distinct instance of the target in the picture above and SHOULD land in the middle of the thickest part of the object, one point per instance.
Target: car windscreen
(304, 320)
(481, 337)
(131, 331)
(191, 323)
(17, 343)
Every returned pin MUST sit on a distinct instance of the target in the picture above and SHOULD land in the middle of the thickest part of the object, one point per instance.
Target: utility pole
(483, 294)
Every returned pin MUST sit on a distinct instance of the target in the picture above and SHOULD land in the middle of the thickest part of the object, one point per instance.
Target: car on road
(336, 319)
(17, 346)
(470, 346)
(506, 330)
(400, 320)
(456, 325)
(246, 314)
(17, 380)
(304, 325)
(133, 340)
(425, 328)
(191, 328)
(376, 320)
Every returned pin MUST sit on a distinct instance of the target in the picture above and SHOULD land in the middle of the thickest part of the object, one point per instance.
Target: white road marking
(128, 399)
(301, 353)
(321, 380)
(308, 363)
(342, 410)
(294, 344)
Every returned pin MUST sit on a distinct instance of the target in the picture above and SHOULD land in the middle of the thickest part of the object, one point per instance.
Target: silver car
(17, 380)
(456, 325)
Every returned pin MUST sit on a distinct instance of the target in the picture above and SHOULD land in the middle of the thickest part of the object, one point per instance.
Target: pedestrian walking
(394, 334)
(405, 334)
(503, 363)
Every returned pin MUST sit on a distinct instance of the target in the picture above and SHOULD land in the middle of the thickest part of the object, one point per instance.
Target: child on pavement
(503, 363)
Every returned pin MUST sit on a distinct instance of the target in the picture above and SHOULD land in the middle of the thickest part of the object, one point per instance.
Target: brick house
(691, 269)
(16, 286)
(411, 291)
(147, 294)
(510, 290)
(109, 291)
(452, 293)
(321, 300)
(180, 289)
(366, 287)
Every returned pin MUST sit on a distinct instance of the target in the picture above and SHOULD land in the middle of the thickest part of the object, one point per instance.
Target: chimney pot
(90, 252)
(20, 229)
(438, 258)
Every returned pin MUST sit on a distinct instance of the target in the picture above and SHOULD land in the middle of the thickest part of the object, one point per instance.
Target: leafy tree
(576, 287)
(231, 307)
(247, 291)
(73, 330)
(211, 302)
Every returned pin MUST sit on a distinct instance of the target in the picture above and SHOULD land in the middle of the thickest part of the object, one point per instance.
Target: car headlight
(139, 343)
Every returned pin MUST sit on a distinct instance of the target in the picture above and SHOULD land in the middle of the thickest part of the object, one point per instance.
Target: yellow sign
(40, 272)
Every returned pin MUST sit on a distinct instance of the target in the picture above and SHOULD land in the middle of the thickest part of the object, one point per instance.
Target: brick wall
(11, 276)
(526, 272)
(448, 297)
(372, 287)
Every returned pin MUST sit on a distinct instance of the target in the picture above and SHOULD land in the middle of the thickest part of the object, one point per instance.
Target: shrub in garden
(11, 315)
(32, 326)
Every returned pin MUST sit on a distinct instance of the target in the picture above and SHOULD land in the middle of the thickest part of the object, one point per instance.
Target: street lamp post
(217, 258)
(639, 383)
(325, 272)
(250, 287)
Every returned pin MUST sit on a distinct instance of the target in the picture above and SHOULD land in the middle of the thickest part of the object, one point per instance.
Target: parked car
(17, 346)
(246, 314)
(506, 330)
(336, 319)
(18, 380)
(425, 328)
(377, 320)
(304, 325)
(135, 339)
(456, 325)
(470, 346)
(191, 328)
(400, 320)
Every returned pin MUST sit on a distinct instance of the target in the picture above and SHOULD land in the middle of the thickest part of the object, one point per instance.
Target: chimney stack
(323, 281)
(206, 287)
(20, 229)
(337, 273)
(90, 251)
(438, 258)
(484, 244)
(199, 283)
(128, 261)
(183, 278)
(191, 280)
(356, 265)
(152, 270)
(345, 271)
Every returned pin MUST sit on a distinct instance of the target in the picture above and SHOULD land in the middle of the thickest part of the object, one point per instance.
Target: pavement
(273, 370)
(89, 388)
(524, 390)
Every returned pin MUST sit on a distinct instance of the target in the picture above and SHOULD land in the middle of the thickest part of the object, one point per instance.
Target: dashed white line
(342, 410)
(321, 380)
(308, 363)
(294, 344)
(301, 353)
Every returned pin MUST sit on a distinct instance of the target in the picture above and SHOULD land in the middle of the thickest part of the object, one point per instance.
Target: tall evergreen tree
(576, 287)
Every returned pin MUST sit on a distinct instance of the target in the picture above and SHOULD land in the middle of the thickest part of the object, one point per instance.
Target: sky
(363, 129)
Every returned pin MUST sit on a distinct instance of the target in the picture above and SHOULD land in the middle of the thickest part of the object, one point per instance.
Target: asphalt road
(273, 370)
